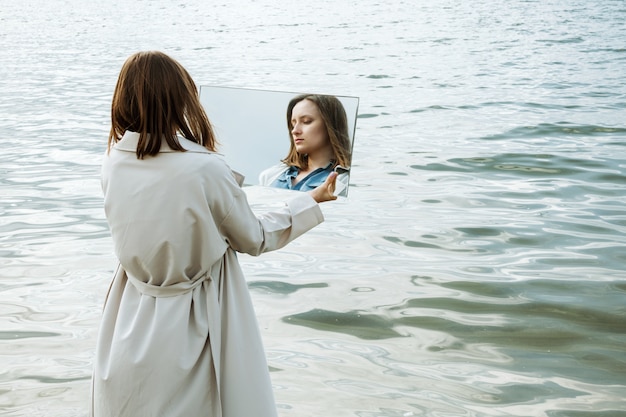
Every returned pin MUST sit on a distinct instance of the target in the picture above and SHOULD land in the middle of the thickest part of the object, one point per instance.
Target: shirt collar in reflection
(311, 181)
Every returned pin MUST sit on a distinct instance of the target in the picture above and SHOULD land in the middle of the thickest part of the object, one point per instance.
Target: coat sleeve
(248, 233)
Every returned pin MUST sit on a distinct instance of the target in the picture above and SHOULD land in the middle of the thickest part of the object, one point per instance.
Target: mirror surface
(251, 126)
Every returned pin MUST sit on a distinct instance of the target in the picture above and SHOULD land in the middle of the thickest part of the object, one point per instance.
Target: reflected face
(308, 131)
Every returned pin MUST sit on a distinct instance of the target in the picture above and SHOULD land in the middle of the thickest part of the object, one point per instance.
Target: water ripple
(477, 268)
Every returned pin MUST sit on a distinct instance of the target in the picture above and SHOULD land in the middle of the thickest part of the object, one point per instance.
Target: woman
(320, 144)
(178, 335)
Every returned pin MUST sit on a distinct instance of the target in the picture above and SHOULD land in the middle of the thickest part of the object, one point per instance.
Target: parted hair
(334, 117)
(157, 98)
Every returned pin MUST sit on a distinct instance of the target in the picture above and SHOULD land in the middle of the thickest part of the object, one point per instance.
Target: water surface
(477, 268)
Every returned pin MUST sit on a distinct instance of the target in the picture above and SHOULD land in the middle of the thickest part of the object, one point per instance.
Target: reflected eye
(304, 121)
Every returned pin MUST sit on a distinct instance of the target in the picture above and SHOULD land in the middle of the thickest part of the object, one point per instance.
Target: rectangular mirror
(251, 128)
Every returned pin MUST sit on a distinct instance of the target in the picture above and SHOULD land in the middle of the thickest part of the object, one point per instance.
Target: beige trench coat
(179, 336)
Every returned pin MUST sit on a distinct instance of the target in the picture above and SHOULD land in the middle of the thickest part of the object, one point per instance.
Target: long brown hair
(157, 98)
(334, 117)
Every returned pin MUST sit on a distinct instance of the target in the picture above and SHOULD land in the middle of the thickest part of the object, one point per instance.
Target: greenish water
(478, 266)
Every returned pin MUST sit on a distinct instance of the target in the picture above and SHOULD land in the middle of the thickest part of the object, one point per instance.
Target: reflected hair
(157, 98)
(334, 117)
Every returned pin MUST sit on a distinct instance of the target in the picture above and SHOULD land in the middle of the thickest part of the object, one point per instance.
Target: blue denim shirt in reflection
(311, 181)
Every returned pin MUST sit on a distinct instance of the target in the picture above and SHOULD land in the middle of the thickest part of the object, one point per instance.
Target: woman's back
(165, 210)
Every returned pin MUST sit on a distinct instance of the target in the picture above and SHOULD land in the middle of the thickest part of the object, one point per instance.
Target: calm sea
(478, 266)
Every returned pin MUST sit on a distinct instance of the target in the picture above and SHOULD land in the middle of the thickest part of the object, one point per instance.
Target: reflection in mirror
(254, 130)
